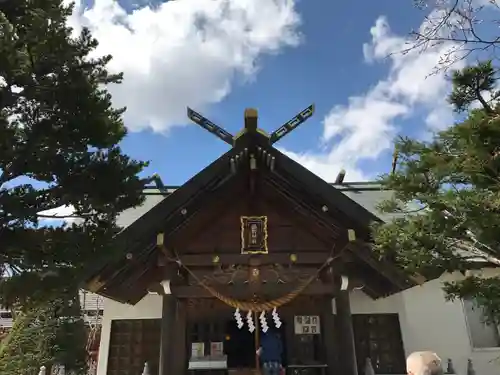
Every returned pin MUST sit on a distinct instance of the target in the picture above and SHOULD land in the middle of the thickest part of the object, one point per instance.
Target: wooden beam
(243, 292)
(135, 270)
(130, 296)
(301, 258)
(267, 277)
(359, 277)
(374, 284)
(202, 265)
(134, 288)
(389, 271)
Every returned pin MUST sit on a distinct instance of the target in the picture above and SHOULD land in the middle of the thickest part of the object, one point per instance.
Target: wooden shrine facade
(253, 230)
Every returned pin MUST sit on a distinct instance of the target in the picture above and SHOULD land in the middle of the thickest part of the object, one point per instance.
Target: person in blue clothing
(270, 353)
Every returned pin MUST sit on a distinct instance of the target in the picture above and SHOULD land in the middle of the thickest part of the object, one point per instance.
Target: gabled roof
(165, 211)
(368, 194)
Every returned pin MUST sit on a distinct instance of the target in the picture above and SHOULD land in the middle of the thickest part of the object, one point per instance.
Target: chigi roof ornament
(251, 125)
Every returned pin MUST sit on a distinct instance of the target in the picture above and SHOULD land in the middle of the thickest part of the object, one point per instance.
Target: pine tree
(49, 333)
(59, 147)
(448, 194)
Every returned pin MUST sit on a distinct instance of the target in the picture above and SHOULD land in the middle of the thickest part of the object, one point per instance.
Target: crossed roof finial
(251, 125)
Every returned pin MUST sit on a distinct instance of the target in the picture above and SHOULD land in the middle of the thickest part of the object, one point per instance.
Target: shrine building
(255, 243)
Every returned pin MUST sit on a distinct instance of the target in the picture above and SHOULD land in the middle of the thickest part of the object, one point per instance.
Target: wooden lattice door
(378, 337)
(132, 343)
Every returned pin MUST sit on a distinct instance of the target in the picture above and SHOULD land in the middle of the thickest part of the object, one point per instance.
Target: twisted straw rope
(254, 306)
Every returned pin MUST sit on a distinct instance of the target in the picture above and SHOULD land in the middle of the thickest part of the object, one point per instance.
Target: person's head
(424, 363)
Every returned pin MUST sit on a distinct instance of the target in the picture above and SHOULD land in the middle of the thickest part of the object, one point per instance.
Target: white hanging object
(251, 326)
(263, 322)
(239, 319)
(42, 371)
(145, 371)
(276, 318)
(369, 367)
(249, 318)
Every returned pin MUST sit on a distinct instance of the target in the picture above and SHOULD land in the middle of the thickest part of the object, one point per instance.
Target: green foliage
(453, 182)
(59, 137)
(40, 336)
(470, 83)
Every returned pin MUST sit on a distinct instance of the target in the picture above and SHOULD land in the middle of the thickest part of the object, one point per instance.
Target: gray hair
(424, 363)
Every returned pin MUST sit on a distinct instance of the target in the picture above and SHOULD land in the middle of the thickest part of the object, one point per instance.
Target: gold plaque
(254, 235)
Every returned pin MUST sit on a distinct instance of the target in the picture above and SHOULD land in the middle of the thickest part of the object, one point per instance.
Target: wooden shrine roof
(168, 209)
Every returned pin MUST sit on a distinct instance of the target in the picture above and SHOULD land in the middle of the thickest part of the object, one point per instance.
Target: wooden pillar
(289, 317)
(167, 338)
(330, 335)
(346, 346)
(180, 349)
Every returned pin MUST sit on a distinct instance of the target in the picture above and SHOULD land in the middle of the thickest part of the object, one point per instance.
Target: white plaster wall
(148, 308)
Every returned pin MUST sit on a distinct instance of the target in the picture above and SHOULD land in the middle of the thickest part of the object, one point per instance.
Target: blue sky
(278, 56)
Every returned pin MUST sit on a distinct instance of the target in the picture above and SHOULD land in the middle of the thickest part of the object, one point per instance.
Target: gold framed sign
(254, 235)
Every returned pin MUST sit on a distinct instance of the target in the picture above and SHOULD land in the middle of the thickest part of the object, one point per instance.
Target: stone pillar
(167, 337)
(345, 335)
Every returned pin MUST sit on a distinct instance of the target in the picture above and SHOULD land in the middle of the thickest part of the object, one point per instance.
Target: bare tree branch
(460, 24)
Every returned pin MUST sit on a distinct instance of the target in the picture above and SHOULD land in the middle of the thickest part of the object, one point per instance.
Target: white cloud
(185, 53)
(364, 128)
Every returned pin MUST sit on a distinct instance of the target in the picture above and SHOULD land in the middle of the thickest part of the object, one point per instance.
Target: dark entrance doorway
(239, 344)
